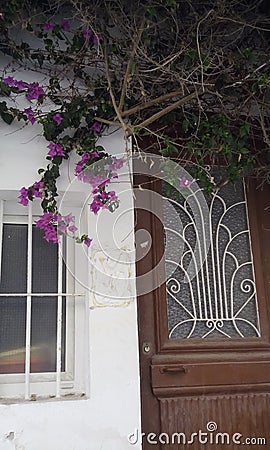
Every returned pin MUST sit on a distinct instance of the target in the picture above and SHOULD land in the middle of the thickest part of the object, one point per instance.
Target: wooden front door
(205, 337)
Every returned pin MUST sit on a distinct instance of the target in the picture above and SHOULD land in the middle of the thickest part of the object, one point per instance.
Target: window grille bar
(1, 231)
(87, 321)
(28, 305)
(59, 320)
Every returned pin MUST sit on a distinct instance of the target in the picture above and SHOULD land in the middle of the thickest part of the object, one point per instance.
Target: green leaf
(3, 107)
(49, 129)
(4, 89)
(170, 3)
(244, 130)
(7, 117)
(39, 56)
(163, 152)
(151, 11)
(244, 151)
(170, 149)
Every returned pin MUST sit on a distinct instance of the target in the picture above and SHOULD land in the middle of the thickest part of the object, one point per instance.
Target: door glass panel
(210, 294)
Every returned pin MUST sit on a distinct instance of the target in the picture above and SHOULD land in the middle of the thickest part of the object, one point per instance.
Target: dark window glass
(44, 309)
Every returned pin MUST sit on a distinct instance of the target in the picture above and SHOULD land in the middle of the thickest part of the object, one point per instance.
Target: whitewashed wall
(111, 412)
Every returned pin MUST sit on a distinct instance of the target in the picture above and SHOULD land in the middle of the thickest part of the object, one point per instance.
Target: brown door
(204, 334)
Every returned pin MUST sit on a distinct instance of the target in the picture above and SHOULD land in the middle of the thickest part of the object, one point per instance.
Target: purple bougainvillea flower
(38, 185)
(47, 222)
(45, 219)
(9, 81)
(85, 158)
(48, 26)
(72, 228)
(35, 189)
(62, 228)
(117, 163)
(98, 37)
(97, 127)
(87, 33)
(65, 25)
(87, 241)
(102, 200)
(23, 196)
(34, 91)
(58, 119)
(30, 115)
(21, 85)
(56, 225)
(55, 150)
(184, 182)
(69, 218)
(51, 235)
(95, 206)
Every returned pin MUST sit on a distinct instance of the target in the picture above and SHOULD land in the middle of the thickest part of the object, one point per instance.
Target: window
(43, 309)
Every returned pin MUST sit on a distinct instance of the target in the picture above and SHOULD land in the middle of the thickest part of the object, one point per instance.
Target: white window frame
(74, 381)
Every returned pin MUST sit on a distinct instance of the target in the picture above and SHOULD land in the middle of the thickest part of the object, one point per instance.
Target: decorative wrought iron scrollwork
(213, 294)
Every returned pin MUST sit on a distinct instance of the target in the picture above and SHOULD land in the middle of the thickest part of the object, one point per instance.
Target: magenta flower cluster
(34, 90)
(49, 26)
(30, 115)
(48, 222)
(103, 200)
(96, 180)
(185, 183)
(66, 223)
(87, 156)
(33, 191)
(56, 225)
(88, 33)
(65, 25)
(55, 149)
(58, 118)
(97, 127)
(19, 84)
(117, 163)
(87, 241)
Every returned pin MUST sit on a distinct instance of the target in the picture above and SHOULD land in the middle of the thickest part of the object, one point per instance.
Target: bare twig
(169, 108)
(129, 65)
(108, 122)
(125, 127)
(198, 46)
(155, 101)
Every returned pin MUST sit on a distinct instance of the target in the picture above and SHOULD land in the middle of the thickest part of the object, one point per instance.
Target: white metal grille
(60, 297)
(212, 296)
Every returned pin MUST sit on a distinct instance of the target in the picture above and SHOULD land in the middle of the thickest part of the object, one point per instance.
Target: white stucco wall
(111, 412)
